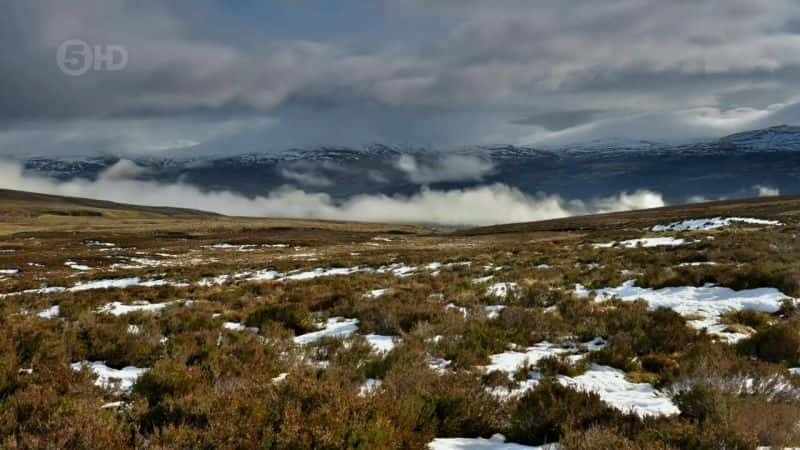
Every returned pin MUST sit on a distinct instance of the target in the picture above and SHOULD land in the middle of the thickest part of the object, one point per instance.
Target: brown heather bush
(292, 316)
(605, 439)
(753, 319)
(543, 415)
(776, 344)
(111, 342)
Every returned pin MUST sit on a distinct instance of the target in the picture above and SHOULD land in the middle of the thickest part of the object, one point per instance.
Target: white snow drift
(610, 384)
(707, 302)
(108, 377)
(496, 442)
(712, 224)
(644, 242)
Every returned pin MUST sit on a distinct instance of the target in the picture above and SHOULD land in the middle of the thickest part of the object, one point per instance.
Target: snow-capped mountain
(728, 167)
(780, 138)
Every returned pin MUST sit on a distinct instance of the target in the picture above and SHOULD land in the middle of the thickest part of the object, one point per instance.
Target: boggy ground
(151, 328)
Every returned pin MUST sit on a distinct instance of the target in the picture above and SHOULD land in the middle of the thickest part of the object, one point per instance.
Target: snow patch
(502, 290)
(120, 309)
(369, 387)
(382, 344)
(236, 326)
(610, 384)
(50, 313)
(644, 242)
(712, 224)
(496, 442)
(493, 311)
(377, 293)
(511, 361)
(335, 327)
(108, 377)
(708, 302)
(75, 266)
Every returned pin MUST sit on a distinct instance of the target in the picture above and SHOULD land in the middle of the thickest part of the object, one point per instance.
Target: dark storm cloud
(207, 74)
(558, 120)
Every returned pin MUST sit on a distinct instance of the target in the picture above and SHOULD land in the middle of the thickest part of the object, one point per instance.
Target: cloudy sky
(219, 76)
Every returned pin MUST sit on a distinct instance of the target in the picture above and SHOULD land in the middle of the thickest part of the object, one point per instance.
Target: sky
(213, 76)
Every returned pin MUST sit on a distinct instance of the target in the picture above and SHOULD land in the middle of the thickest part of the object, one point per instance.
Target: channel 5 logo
(75, 57)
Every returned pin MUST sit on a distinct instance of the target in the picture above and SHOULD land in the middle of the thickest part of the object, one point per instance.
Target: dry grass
(209, 387)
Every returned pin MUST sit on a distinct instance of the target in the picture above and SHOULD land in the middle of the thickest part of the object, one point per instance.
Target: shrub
(778, 343)
(544, 414)
(293, 316)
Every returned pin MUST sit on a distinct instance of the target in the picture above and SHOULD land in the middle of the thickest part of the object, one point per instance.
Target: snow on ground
(644, 242)
(335, 327)
(119, 283)
(116, 405)
(460, 309)
(493, 311)
(280, 378)
(135, 262)
(612, 387)
(318, 273)
(482, 280)
(381, 344)
(238, 248)
(376, 293)
(399, 270)
(369, 387)
(513, 360)
(261, 275)
(712, 224)
(50, 313)
(502, 290)
(236, 326)
(213, 281)
(697, 263)
(438, 365)
(120, 309)
(75, 266)
(707, 302)
(98, 244)
(496, 442)
(107, 377)
(595, 345)
(9, 271)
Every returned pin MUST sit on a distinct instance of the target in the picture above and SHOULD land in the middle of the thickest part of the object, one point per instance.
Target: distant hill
(785, 208)
(27, 204)
(734, 166)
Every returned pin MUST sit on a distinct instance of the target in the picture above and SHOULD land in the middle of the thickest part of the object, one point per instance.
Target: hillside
(28, 204)
(778, 208)
(147, 327)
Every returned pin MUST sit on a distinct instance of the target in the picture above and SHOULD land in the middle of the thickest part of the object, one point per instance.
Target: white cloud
(123, 170)
(680, 125)
(766, 191)
(445, 168)
(483, 205)
(310, 179)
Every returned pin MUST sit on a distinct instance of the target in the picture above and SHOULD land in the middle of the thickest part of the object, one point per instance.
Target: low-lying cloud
(445, 168)
(482, 205)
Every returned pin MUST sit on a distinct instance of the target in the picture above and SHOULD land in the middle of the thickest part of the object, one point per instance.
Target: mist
(481, 205)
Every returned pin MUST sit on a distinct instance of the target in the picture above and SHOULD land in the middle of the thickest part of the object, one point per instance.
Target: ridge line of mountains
(735, 166)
